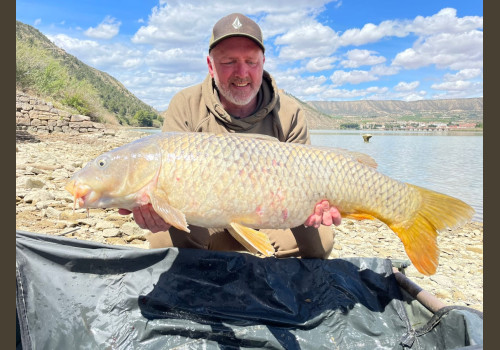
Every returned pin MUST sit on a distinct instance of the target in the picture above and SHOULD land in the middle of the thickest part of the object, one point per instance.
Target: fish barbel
(243, 182)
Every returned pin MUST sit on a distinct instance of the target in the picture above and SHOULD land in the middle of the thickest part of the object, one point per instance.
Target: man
(239, 96)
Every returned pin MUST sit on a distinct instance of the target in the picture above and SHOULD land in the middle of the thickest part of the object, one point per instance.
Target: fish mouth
(81, 193)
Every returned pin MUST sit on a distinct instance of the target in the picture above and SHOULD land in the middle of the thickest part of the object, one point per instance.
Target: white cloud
(341, 77)
(381, 70)
(156, 88)
(182, 23)
(132, 63)
(318, 64)
(464, 74)
(37, 21)
(357, 58)
(307, 40)
(445, 21)
(454, 51)
(342, 94)
(403, 86)
(459, 85)
(299, 86)
(111, 57)
(371, 33)
(72, 44)
(107, 29)
(413, 96)
(173, 59)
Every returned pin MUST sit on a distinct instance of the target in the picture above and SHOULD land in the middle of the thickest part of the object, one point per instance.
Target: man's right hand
(147, 218)
(324, 214)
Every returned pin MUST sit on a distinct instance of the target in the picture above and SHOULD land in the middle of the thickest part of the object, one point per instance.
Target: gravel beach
(44, 163)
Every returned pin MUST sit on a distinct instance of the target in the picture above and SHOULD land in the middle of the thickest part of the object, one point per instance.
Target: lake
(447, 162)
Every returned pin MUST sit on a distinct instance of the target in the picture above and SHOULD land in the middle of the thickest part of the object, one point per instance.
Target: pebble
(44, 206)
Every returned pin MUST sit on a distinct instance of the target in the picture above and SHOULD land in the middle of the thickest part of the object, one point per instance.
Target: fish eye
(102, 162)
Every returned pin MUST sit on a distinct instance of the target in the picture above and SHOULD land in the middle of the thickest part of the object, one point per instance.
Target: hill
(45, 70)
(468, 108)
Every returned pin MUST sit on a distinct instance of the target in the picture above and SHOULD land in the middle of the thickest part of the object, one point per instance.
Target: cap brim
(215, 42)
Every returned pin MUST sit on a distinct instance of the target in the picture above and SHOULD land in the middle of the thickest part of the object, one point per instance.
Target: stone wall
(38, 116)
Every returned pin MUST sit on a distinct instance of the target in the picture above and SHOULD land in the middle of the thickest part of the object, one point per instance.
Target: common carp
(243, 183)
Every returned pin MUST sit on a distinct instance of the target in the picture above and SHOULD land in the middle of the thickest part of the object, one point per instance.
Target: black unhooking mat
(74, 294)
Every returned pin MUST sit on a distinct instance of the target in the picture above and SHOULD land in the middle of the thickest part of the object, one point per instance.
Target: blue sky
(340, 50)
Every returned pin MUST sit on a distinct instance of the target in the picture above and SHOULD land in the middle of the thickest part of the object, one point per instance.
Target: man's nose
(241, 70)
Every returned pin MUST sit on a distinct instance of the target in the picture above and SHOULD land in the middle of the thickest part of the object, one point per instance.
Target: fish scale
(243, 182)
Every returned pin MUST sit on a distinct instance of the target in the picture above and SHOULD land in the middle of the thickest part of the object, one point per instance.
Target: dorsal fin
(363, 158)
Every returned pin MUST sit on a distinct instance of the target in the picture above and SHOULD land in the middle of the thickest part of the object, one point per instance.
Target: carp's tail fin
(419, 234)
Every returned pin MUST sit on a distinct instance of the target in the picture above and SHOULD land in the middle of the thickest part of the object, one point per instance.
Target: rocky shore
(44, 163)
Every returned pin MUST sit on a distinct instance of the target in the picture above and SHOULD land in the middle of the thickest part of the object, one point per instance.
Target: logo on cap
(237, 24)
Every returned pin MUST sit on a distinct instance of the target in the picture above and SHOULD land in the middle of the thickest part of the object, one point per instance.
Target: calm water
(450, 163)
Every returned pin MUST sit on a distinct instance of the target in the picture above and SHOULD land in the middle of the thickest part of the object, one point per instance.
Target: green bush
(144, 118)
(349, 126)
(77, 103)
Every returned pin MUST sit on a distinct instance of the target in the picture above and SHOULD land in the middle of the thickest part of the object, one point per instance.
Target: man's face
(237, 64)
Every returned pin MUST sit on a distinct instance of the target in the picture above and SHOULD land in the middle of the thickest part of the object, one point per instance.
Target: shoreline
(43, 206)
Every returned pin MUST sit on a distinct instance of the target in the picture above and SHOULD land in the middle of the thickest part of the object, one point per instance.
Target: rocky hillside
(466, 108)
(47, 71)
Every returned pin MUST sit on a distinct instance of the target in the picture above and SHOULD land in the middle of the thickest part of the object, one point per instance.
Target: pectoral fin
(168, 213)
(254, 241)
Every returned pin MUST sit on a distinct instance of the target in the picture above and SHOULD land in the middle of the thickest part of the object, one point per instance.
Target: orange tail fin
(419, 234)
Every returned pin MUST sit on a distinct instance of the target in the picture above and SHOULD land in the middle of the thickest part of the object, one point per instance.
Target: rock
(33, 183)
(92, 221)
(70, 215)
(38, 196)
(110, 232)
(45, 204)
(61, 173)
(131, 229)
(53, 213)
(79, 118)
(109, 132)
(102, 225)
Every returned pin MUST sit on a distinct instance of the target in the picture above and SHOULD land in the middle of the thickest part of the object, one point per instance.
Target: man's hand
(324, 215)
(147, 218)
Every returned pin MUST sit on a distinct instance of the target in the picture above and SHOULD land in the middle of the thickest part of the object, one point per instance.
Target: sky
(317, 50)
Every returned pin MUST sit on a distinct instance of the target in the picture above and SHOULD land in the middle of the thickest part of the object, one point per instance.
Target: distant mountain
(468, 108)
(44, 69)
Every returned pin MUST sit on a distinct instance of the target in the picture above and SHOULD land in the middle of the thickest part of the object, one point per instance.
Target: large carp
(242, 183)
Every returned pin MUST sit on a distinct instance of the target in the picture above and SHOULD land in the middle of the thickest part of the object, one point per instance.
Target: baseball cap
(236, 24)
